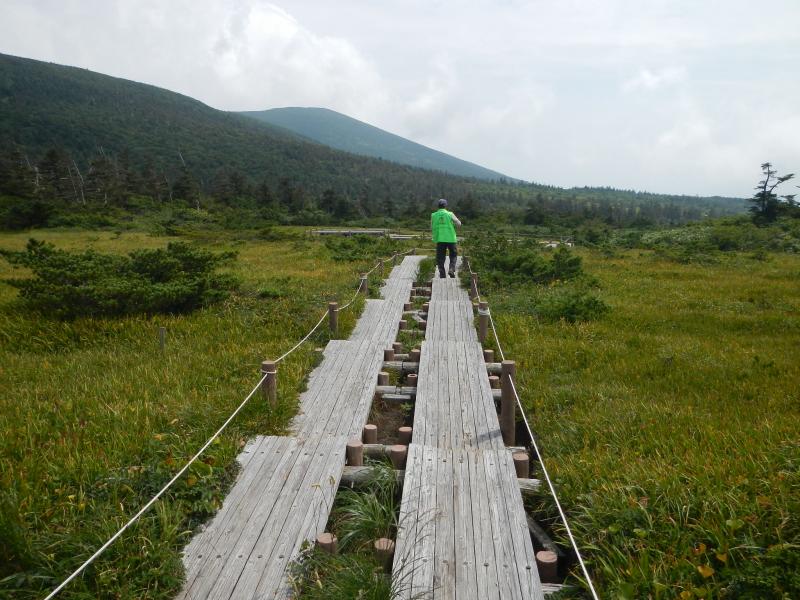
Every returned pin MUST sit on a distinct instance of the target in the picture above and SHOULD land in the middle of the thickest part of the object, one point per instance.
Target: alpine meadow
(231, 365)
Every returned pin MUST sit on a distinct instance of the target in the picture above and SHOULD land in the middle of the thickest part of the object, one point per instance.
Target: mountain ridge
(343, 132)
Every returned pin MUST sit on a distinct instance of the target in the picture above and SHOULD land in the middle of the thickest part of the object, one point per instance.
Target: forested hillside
(345, 133)
(72, 140)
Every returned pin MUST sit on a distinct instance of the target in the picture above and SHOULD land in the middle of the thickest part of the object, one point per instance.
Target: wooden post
(364, 286)
(508, 404)
(411, 380)
(370, 434)
(423, 325)
(404, 433)
(414, 355)
(407, 307)
(483, 321)
(547, 564)
(394, 259)
(381, 268)
(355, 453)
(162, 338)
(270, 384)
(488, 356)
(388, 354)
(397, 454)
(333, 317)
(384, 551)
(402, 325)
(397, 347)
(522, 464)
(474, 285)
(426, 307)
(494, 382)
(383, 378)
(327, 542)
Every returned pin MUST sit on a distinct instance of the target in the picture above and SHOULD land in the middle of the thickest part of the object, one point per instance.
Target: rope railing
(205, 446)
(550, 485)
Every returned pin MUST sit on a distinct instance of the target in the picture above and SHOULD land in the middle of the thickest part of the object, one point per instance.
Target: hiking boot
(452, 273)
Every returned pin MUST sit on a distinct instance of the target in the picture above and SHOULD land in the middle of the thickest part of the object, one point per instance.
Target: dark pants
(441, 251)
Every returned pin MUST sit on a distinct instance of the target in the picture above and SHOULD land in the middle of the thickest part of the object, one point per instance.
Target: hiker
(444, 234)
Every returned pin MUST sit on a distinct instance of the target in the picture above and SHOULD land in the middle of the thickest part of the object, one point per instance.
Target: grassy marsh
(672, 425)
(94, 418)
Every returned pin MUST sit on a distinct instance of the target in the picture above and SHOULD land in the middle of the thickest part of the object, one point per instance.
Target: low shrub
(503, 262)
(66, 285)
(571, 302)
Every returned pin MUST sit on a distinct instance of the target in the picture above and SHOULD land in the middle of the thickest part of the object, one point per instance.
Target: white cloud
(649, 80)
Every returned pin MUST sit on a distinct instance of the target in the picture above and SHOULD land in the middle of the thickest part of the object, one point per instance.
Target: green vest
(442, 226)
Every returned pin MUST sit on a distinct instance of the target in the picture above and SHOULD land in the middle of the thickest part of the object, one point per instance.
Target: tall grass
(94, 418)
(672, 425)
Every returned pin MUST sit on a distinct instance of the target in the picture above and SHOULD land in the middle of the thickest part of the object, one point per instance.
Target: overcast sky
(679, 96)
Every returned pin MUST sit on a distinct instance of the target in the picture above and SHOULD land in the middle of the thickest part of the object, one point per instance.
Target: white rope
(541, 462)
(308, 335)
(367, 274)
(147, 506)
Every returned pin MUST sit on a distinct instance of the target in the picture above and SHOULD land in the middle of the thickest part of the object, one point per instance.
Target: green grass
(94, 418)
(359, 517)
(672, 425)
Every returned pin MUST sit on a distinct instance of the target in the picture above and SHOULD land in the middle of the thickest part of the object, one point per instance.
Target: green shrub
(503, 262)
(570, 304)
(68, 285)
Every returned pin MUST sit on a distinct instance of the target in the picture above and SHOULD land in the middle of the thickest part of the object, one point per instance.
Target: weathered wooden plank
(424, 557)
(259, 450)
(522, 547)
(307, 515)
(466, 580)
(444, 576)
(268, 540)
(208, 568)
(483, 532)
(509, 578)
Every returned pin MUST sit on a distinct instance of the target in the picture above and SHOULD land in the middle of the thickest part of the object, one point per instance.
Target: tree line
(37, 189)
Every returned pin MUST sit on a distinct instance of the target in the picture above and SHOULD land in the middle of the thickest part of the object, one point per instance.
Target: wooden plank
(466, 579)
(307, 515)
(509, 578)
(260, 450)
(270, 484)
(426, 530)
(444, 576)
(268, 540)
(488, 583)
(522, 547)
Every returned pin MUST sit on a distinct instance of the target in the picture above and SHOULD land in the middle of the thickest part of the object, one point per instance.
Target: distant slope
(345, 133)
(44, 105)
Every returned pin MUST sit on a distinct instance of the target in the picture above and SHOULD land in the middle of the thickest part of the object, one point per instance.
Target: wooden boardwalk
(285, 489)
(462, 532)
